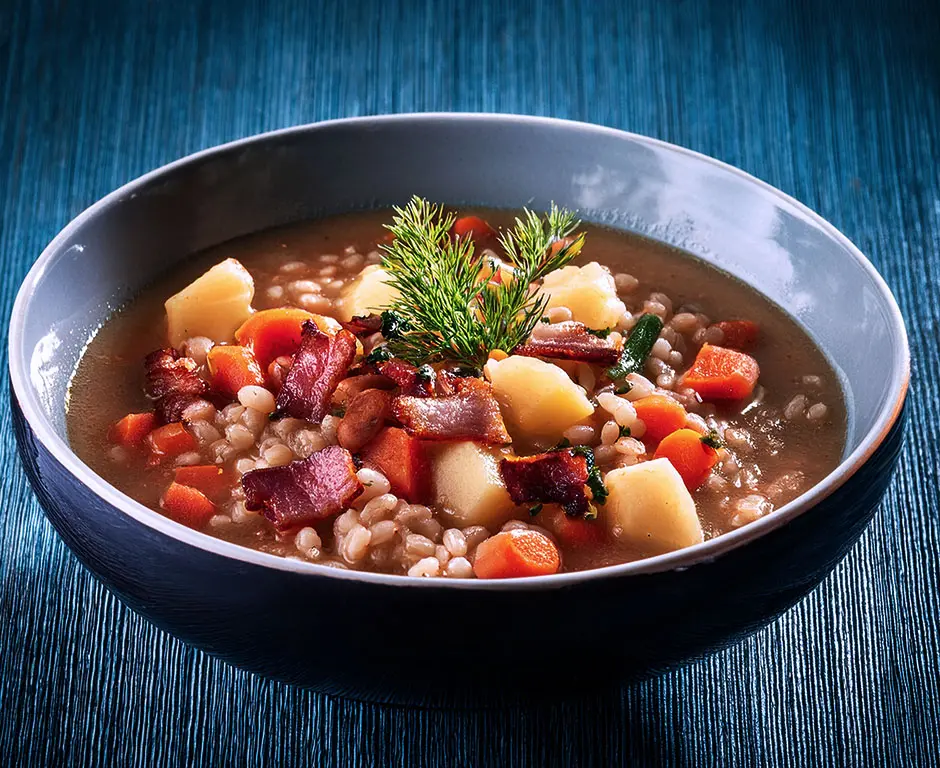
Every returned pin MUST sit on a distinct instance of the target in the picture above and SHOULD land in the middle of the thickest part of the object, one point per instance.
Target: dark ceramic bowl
(408, 639)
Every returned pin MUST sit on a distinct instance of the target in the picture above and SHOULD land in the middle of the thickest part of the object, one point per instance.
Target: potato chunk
(368, 293)
(213, 305)
(537, 399)
(652, 507)
(588, 291)
(467, 483)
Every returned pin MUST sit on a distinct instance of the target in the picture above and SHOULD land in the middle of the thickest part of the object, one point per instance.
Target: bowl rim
(704, 552)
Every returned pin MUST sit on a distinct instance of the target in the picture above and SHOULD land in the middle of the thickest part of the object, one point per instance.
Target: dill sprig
(447, 308)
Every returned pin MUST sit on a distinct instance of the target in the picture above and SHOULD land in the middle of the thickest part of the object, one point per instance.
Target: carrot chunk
(233, 367)
(475, 228)
(516, 553)
(661, 414)
(132, 429)
(573, 531)
(738, 334)
(187, 505)
(170, 440)
(403, 460)
(719, 373)
(692, 458)
(208, 478)
(272, 333)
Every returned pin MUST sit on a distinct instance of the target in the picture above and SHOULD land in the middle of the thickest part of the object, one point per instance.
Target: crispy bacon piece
(319, 365)
(364, 325)
(555, 477)
(410, 379)
(569, 341)
(471, 414)
(172, 381)
(302, 492)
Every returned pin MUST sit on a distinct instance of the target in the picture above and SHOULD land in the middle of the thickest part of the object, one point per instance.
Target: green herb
(535, 509)
(446, 308)
(622, 389)
(595, 482)
(562, 444)
(601, 333)
(426, 373)
(637, 348)
(379, 355)
(625, 431)
(338, 411)
(713, 440)
(545, 320)
(393, 326)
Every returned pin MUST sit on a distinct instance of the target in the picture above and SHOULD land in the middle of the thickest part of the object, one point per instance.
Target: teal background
(835, 103)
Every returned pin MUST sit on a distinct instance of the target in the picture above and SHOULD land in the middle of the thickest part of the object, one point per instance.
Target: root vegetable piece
(233, 367)
(403, 460)
(213, 305)
(369, 293)
(515, 554)
(692, 458)
(211, 479)
(651, 506)
(588, 291)
(273, 333)
(467, 483)
(661, 414)
(131, 430)
(719, 373)
(187, 505)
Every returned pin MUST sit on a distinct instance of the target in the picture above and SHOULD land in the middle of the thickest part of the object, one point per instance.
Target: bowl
(416, 640)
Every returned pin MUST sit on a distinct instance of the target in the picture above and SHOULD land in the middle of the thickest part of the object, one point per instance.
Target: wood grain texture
(836, 103)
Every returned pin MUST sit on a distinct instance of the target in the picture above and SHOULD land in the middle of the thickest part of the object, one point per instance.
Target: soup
(474, 396)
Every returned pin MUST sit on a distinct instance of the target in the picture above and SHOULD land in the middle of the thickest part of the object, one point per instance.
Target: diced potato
(537, 399)
(652, 507)
(588, 291)
(368, 293)
(467, 483)
(213, 305)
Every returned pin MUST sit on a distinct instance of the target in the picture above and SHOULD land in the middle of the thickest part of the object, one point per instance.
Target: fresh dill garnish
(625, 431)
(392, 325)
(712, 440)
(544, 320)
(562, 444)
(623, 388)
(535, 509)
(595, 482)
(447, 309)
(379, 355)
(601, 333)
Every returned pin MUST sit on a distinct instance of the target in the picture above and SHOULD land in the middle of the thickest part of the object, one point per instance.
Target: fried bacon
(319, 365)
(471, 414)
(409, 379)
(303, 492)
(172, 381)
(569, 341)
(555, 477)
(364, 325)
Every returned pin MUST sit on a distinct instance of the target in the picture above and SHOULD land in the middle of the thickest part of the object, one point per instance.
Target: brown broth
(789, 456)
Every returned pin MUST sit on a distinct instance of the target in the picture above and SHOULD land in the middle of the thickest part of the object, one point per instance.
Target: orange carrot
(403, 460)
(132, 429)
(516, 553)
(473, 227)
(274, 332)
(692, 458)
(232, 368)
(722, 374)
(572, 531)
(187, 505)
(738, 334)
(208, 478)
(170, 440)
(661, 414)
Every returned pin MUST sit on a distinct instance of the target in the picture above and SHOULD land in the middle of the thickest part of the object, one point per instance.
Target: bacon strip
(471, 414)
(569, 341)
(408, 378)
(364, 325)
(556, 477)
(172, 381)
(302, 492)
(319, 365)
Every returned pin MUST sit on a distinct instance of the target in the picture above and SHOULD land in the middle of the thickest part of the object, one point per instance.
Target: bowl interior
(744, 227)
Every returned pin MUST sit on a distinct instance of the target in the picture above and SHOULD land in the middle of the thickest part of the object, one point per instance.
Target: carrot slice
(516, 553)
(272, 333)
(403, 460)
(573, 531)
(719, 373)
(739, 334)
(475, 228)
(187, 505)
(170, 440)
(661, 414)
(132, 429)
(208, 478)
(233, 367)
(692, 458)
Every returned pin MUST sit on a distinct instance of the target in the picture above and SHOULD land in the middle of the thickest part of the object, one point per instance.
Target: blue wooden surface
(836, 103)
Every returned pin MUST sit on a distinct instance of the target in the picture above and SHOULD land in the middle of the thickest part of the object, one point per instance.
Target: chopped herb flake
(713, 440)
